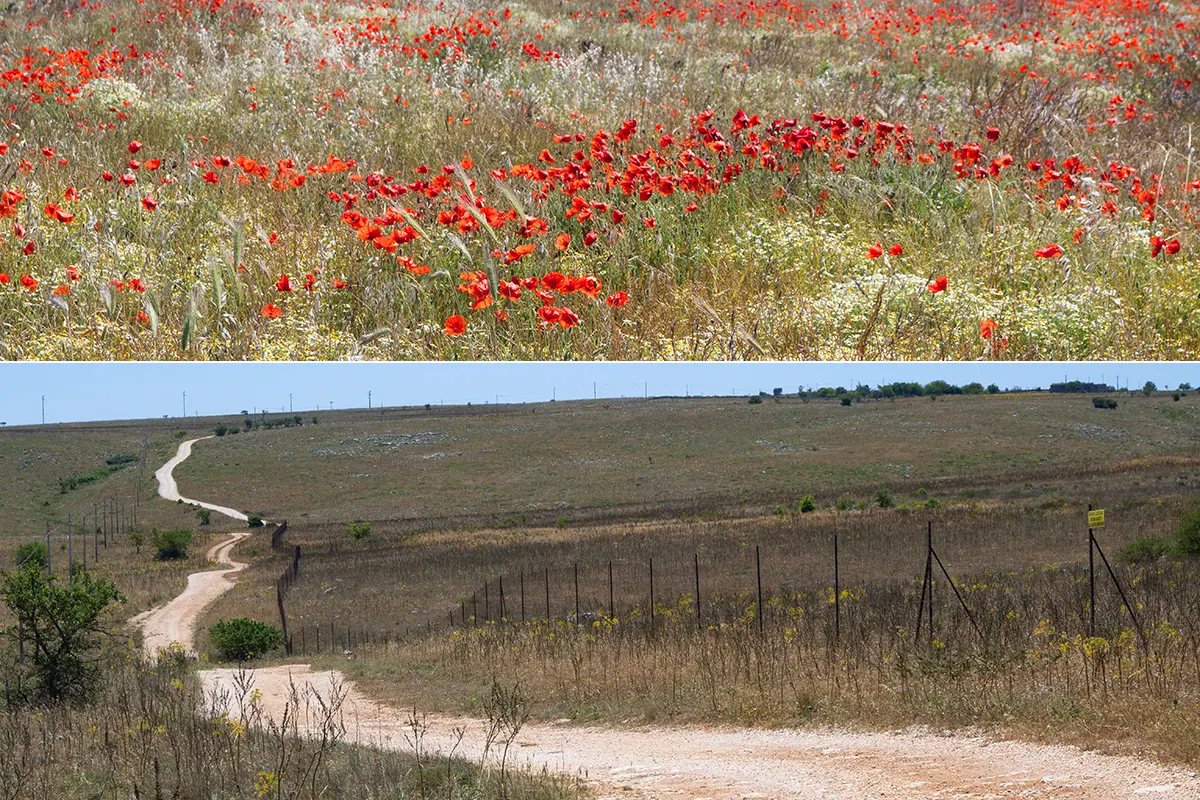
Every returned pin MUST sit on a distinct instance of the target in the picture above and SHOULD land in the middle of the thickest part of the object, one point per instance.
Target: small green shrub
(755, 400)
(254, 520)
(172, 544)
(1187, 534)
(221, 430)
(32, 555)
(883, 498)
(846, 401)
(1104, 402)
(844, 503)
(137, 539)
(204, 515)
(932, 503)
(808, 503)
(1149, 548)
(244, 639)
(359, 529)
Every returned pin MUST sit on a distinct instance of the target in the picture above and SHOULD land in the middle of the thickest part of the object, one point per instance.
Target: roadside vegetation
(84, 715)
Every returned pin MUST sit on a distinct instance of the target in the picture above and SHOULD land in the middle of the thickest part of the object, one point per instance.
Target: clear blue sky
(98, 391)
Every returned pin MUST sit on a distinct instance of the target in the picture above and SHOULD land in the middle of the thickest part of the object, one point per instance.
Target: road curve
(175, 622)
(169, 490)
(692, 762)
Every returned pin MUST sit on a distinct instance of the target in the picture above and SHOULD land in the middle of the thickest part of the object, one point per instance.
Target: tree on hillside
(58, 630)
(1150, 388)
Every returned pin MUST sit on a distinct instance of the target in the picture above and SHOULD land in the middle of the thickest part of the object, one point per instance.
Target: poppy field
(556, 179)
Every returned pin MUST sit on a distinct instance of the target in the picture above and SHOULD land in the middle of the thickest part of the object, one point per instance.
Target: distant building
(1080, 387)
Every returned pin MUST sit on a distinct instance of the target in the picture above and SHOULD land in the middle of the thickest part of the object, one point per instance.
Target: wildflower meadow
(564, 179)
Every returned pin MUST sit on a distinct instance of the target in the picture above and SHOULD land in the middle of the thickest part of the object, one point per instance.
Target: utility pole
(368, 399)
(43, 409)
(593, 390)
(291, 409)
(185, 404)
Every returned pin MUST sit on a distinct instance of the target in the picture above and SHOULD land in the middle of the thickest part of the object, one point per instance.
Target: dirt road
(176, 621)
(169, 490)
(726, 764)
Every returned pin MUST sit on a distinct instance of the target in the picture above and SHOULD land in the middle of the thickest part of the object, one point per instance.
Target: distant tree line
(939, 388)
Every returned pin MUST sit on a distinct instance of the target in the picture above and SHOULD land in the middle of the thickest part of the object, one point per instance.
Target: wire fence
(755, 591)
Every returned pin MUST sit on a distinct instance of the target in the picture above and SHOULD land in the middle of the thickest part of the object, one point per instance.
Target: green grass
(606, 459)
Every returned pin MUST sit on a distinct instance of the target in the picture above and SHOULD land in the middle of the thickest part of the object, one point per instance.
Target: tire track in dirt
(695, 762)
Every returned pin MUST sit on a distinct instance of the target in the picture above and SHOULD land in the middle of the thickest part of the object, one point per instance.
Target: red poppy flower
(149, 203)
(3, 278)
(1049, 251)
(650, 222)
(456, 325)
(992, 134)
(510, 290)
(519, 252)
(412, 266)
(29, 282)
(590, 238)
(56, 213)
(143, 317)
(987, 328)
(1173, 247)
(210, 177)
(30, 248)
(590, 285)
(71, 194)
(310, 282)
(134, 146)
(568, 318)
(62, 290)
(73, 273)
(562, 242)
(137, 285)
(284, 284)
(896, 250)
(875, 250)
(272, 311)
(338, 284)
(107, 176)
(549, 314)
(939, 284)
(127, 179)
(617, 299)
(153, 164)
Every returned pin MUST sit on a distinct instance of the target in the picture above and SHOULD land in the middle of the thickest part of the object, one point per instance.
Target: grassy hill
(608, 459)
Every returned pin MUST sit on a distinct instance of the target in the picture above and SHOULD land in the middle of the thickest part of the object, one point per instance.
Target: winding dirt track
(708, 763)
(169, 490)
(176, 621)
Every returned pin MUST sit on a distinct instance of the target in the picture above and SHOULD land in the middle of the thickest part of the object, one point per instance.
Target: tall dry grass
(150, 734)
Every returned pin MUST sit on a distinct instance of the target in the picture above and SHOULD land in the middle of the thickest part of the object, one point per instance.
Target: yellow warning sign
(1096, 519)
